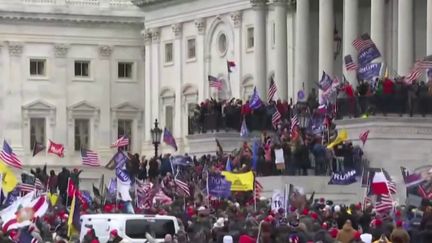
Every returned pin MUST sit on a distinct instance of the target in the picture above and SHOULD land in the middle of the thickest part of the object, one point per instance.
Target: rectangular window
(37, 67)
(82, 69)
(191, 48)
(169, 114)
(125, 70)
(250, 37)
(37, 131)
(82, 134)
(168, 52)
(125, 128)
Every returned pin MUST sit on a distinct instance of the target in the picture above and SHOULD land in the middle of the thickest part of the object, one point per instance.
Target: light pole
(156, 133)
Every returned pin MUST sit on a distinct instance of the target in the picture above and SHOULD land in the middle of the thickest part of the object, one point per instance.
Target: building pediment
(125, 107)
(83, 106)
(38, 105)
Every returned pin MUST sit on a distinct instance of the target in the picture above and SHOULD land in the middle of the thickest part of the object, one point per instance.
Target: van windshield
(137, 228)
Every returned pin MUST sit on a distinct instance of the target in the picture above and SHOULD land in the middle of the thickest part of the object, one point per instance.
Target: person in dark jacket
(62, 180)
(423, 98)
(52, 182)
(114, 237)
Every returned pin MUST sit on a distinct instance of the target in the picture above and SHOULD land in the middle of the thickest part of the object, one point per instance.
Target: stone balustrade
(87, 3)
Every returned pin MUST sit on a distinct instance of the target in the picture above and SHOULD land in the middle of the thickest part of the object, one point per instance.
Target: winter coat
(346, 234)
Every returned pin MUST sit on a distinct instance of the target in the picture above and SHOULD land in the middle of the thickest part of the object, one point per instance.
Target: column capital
(105, 51)
(200, 24)
(258, 3)
(147, 36)
(177, 30)
(15, 49)
(155, 33)
(236, 18)
(61, 50)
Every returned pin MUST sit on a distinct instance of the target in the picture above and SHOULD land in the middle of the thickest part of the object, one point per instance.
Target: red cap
(357, 235)
(399, 224)
(114, 232)
(314, 215)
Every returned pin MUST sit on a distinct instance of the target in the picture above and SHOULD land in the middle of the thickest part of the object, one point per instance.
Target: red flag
(364, 136)
(379, 184)
(71, 188)
(56, 148)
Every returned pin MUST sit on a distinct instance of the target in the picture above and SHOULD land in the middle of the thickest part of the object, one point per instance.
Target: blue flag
(244, 132)
(325, 82)
(25, 236)
(255, 101)
(368, 55)
(218, 186)
(228, 164)
(343, 178)
(120, 159)
(255, 149)
(369, 71)
(429, 74)
(169, 139)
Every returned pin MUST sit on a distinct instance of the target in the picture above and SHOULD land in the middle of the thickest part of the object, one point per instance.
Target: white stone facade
(182, 42)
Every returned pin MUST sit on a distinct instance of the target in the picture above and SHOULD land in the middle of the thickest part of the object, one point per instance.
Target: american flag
(276, 118)
(258, 189)
(121, 142)
(364, 136)
(349, 63)
(9, 157)
(38, 184)
(363, 42)
(26, 187)
(392, 187)
(90, 158)
(182, 186)
(367, 200)
(144, 194)
(215, 82)
(162, 198)
(417, 70)
(294, 122)
(272, 90)
(384, 204)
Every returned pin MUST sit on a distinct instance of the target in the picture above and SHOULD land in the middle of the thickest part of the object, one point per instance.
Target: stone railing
(86, 3)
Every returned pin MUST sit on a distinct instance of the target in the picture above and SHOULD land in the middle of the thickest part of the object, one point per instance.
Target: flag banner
(240, 181)
(279, 159)
(215, 82)
(228, 166)
(9, 180)
(365, 179)
(343, 178)
(255, 154)
(56, 148)
(411, 179)
(37, 148)
(169, 139)
(231, 66)
(349, 63)
(244, 132)
(121, 142)
(364, 136)
(71, 188)
(120, 159)
(367, 55)
(277, 200)
(9, 157)
(255, 101)
(271, 91)
(325, 82)
(123, 185)
(379, 184)
(369, 71)
(342, 136)
(218, 186)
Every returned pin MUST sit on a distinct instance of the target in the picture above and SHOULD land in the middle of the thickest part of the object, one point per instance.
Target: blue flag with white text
(343, 178)
(218, 186)
(368, 55)
(255, 101)
(370, 71)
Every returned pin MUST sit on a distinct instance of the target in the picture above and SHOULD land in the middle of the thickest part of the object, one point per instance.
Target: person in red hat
(114, 237)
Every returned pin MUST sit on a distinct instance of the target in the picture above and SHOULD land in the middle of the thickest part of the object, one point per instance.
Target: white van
(130, 227)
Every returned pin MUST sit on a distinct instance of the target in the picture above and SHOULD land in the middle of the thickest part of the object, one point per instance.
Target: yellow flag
(9, 179)
(342, 136)
(241, 181)
(71, 228)
(53, 198)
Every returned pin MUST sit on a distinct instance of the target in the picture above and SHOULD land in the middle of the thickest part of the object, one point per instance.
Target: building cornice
(85, 19)
(156, 3)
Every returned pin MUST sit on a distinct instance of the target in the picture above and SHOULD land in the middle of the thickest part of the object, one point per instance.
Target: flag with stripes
(9, 157)
(363, 42)
(276, 118)
(215, 82)
(182, 186)
(349, 63)
(384, 203)
(294, 122)
(26, 187)
(121, 142)
(89, 158)
(144, 194)
(419, 67)
(39, 185)
(272, 90)
(162, 198)
(258, 189)
(364, 136)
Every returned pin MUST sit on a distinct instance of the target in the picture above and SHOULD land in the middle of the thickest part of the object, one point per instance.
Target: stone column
(105, 136)
(147, 85)
(281, 73)
(260, 47)
(178, 64)
(326, 25)
(155, 82)
(302, 47)
(62, 75)
(13, 99)
(350, 32)
(200, 25)
(378, 24)
(429, 28)
(235, 77)
(405, 36)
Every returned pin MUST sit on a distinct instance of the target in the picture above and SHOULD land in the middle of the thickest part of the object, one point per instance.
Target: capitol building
(84, 72)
